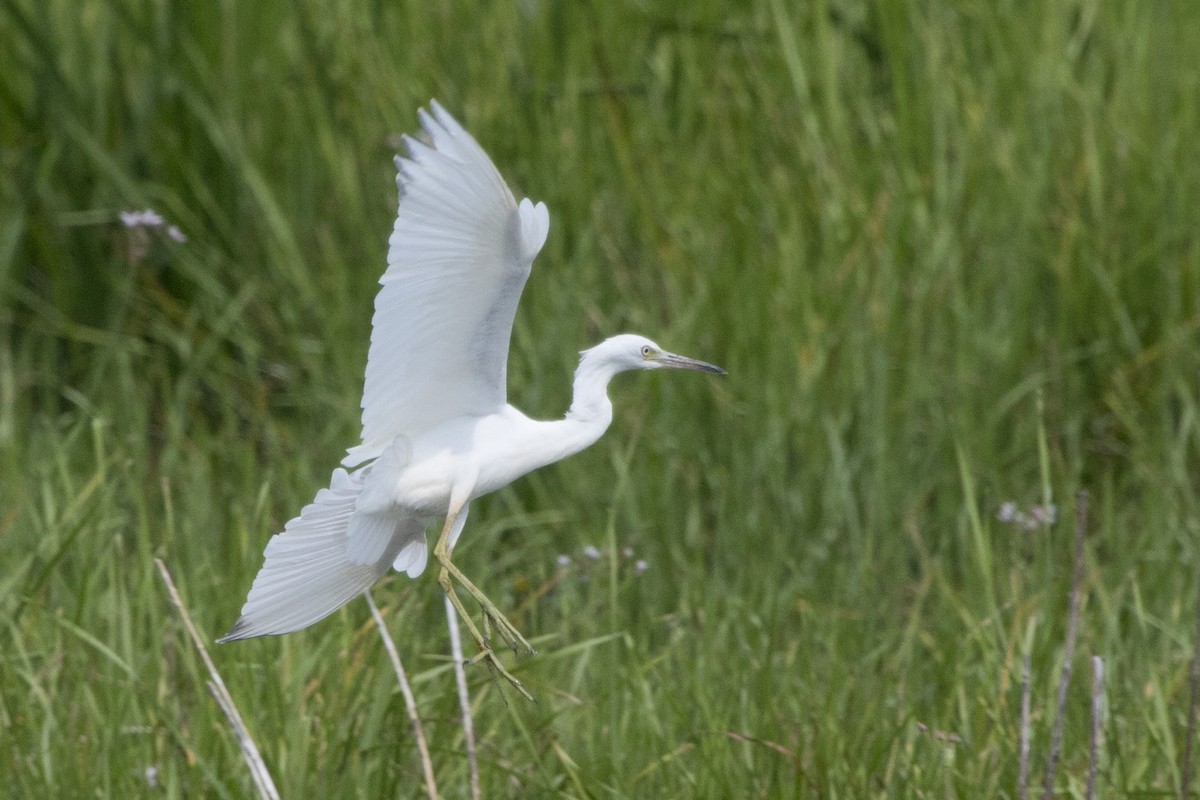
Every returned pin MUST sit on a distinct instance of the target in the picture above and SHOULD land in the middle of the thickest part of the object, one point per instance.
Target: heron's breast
(484, 454)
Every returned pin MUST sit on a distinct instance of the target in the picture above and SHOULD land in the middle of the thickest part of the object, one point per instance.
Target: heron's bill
(672, 361)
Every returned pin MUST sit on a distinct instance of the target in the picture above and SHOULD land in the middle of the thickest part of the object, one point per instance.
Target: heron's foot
(489, 657)
(491, 614)
(508, 632)
(485, 654)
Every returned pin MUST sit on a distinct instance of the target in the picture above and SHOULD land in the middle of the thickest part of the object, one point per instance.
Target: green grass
(947, 251)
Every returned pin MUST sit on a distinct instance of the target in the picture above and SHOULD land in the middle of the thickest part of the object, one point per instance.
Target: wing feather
(458, 258)
(313, 568)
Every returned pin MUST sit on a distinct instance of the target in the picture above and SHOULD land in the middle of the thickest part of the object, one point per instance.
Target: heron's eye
(646, 351)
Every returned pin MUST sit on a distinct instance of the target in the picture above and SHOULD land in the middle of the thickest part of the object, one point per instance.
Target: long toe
(511, 635)
(489, 657)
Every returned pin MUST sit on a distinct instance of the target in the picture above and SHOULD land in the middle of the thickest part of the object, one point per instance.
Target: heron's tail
(310, 571)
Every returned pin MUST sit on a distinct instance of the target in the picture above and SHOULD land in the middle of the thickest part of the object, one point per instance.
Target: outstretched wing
(313, 568)
(458, 259)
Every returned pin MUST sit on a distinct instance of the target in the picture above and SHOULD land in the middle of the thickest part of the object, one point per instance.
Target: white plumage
(437, 430)
(458, 259)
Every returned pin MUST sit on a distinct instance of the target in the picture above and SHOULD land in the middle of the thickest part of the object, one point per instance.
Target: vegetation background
(946, 249)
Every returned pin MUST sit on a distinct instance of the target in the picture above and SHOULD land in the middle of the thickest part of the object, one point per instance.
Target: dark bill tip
(682, 362)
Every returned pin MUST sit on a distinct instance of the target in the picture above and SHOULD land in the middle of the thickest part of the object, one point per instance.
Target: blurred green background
(947, 251)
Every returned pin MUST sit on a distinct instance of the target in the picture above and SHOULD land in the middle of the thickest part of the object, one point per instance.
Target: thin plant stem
(464, 697)
(258, 768)
(1081, 509)
(410, 702)
(1023, 733)
(1097, 719)
(1185, 771)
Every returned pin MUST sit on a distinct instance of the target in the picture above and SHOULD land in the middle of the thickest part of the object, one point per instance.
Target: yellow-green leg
(441, 552)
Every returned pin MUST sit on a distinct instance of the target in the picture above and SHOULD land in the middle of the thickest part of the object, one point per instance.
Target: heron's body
(477, 455)
(438, 430)
(489, 452)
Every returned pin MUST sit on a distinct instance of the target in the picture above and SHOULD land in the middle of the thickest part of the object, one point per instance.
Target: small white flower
(626, 552)
(563, 560)
(1008, 511)
(640, 566)
(142, 219)
(591, 552)
(151, 219)
(151, 777)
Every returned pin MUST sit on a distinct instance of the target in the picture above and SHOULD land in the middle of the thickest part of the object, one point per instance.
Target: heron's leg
(441, 552)
(507, 630)
(486, 654)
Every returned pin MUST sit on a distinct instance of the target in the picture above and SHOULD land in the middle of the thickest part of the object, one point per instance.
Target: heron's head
(629, 351)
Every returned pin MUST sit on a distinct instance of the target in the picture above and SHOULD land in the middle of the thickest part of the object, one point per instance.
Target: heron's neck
(585, 422)
(589, 402)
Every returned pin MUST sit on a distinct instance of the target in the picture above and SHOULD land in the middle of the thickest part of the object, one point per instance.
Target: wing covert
(458, 258)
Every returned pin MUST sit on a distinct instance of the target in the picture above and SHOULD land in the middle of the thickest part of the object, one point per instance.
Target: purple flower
(1043, 515)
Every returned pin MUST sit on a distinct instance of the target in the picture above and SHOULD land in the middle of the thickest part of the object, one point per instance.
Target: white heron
(437, 430)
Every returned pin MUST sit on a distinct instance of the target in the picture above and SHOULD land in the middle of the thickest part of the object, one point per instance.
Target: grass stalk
(410, 701)
(1185, 769)
(1096, 729)
(1060, 705)
(464, 697)
(1023, 733)
(258, 768)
